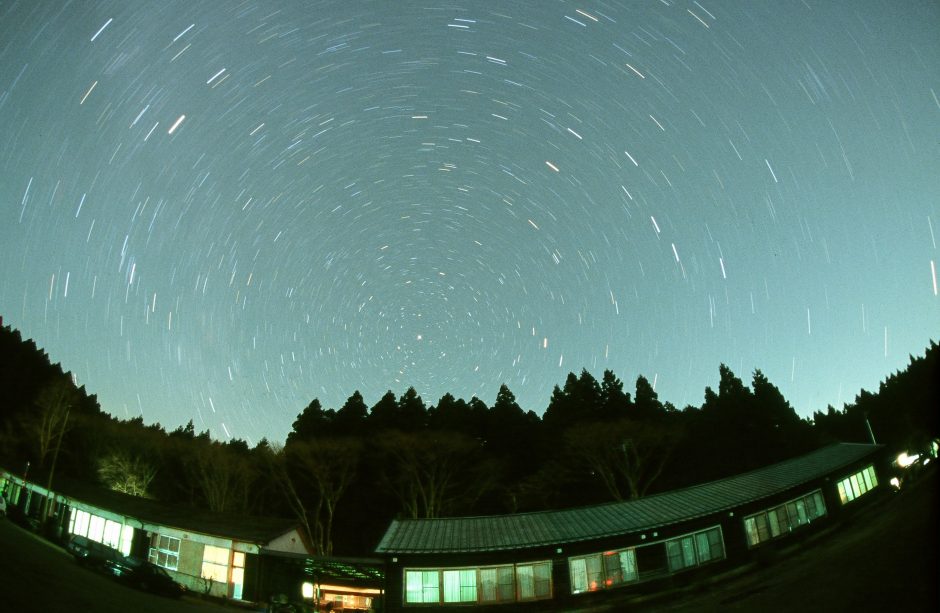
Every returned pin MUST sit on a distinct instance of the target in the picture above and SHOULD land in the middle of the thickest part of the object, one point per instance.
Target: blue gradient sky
(220, 210)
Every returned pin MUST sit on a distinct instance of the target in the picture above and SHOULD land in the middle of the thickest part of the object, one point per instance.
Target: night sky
(219, 210)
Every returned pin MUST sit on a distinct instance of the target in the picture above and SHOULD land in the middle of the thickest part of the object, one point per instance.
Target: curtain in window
(451, 586)
(525, 579)
(507, 586)
(543, 580)
(578, 571)
(628, 565)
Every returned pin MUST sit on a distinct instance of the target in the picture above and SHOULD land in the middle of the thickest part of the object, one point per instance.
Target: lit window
(422, 586)
(490, 584)
(698, 548)
(602, 570)
(112, 534)
(534, 581)
(79, 522)
(856, 485)
(127, 538)
(96, 529)
(496, 584)
(460, 585)
(784, 518)
(215, 564)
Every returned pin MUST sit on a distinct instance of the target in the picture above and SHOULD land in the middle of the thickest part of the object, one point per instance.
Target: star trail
(220, 210)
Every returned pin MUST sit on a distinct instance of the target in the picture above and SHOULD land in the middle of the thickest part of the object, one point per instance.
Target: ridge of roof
(538, 528)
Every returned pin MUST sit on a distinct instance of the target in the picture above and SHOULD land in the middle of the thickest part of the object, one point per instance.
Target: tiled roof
(506, 532)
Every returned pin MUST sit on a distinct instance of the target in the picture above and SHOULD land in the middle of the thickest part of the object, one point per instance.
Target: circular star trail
(220, 210)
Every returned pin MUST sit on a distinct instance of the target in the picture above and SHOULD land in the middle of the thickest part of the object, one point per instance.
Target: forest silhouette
(344, 473)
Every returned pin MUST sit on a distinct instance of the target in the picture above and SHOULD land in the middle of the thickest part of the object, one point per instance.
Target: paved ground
(36, 576)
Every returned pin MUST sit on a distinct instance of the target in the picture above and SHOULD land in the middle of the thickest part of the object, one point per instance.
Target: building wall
(291, 542)
(730, 522)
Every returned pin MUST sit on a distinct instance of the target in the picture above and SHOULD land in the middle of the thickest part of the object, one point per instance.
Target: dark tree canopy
(345, 473)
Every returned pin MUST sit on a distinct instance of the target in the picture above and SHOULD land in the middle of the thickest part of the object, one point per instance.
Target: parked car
(3, 506)
(145, 576)
(91, 553)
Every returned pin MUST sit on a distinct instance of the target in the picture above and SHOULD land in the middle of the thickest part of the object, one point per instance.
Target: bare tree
(50, 422)
(221, 476)
(429, 472)
(122, 472)
(328, 466)
(313, 476)
(49, 425)
(275, 462)
(628, 456)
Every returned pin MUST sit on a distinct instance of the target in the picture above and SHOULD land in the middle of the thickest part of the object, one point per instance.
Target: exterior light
(895, 483)
(905, 460)
(306, 590)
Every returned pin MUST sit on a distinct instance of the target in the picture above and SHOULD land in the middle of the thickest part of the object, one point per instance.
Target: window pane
(750, 527)
(525, 579)
(507, 586)
(772, 519)
(431, 586)
(451, 586)
(810, 503)
(96, 528)
(112, 534)
(871, 475)
(595, 578)
(855, 489)
(762, 529)
(701, 545)
(612, 574)
(820, 504)
(468, 585)
(801, 512)
(628, 565)
(215, 555)
(688, 551)
(716, 544)
(487, 585)
(543, 580)
(413, 586)
(674, 554)
(578, 571)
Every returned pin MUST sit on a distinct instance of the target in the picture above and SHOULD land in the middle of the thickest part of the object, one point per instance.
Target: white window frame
(163, 554)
